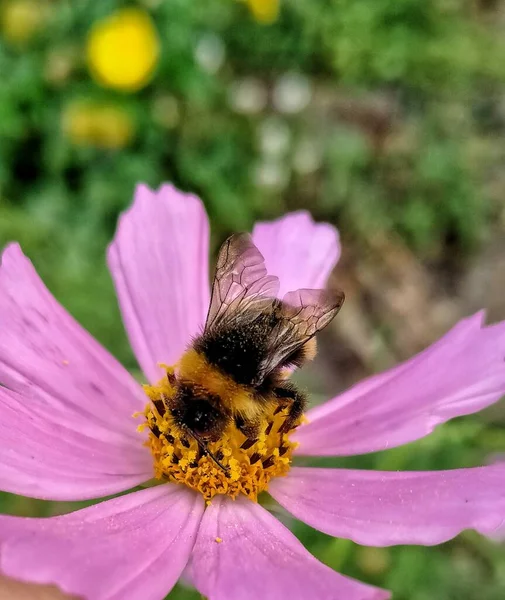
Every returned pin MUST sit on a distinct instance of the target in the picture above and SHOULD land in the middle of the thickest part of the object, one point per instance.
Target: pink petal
(243, 553)
(54, 457)
(300, 252)
(131, 548)
(384, 508)
(159, 263)
(460, 374)
(67, 398)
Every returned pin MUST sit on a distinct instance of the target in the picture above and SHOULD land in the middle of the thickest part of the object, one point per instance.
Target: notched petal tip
(11, 253)
(146, 198)
(300, 251)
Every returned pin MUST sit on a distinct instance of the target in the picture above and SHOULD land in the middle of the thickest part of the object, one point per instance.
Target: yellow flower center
(249, 464)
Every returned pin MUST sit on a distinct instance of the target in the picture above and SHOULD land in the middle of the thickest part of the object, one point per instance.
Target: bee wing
(303, 313)
(241, 280)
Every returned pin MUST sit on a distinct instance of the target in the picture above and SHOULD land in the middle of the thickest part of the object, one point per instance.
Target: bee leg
(206, 451)
(296, 401)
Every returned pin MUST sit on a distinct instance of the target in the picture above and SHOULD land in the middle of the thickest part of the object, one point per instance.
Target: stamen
(160, 406)
(248, 443)
(268, 462)
(254, 458)
(232, 465)
(156, 431)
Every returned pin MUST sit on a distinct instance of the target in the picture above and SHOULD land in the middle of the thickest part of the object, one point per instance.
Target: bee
(235, 370)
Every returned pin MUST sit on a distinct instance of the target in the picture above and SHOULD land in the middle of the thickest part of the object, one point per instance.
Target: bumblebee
(236, 370)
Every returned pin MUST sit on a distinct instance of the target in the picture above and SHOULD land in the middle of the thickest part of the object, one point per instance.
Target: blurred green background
(384, 117)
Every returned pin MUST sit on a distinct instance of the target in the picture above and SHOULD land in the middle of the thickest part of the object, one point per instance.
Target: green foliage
(422, 168)
(431, 46)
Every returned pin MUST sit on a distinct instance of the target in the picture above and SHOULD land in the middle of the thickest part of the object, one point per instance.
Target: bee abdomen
(238, 351)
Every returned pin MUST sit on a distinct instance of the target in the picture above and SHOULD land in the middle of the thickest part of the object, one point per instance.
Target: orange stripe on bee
(310, 349)
(236, 398)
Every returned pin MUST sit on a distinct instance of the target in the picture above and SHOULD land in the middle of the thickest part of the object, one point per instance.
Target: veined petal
(460, 374)
(243, 552)
(47, 355)
(159, 263)
(44, 456)
(130, 548)
(297, 250)
(377, 508)
(58, 381)
(380, 508)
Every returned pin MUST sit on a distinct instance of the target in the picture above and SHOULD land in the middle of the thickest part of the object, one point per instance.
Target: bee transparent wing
(241, 281)
(303, 314)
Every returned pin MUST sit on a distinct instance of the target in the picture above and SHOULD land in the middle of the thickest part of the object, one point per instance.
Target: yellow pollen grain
(178, 459)
(218, 540)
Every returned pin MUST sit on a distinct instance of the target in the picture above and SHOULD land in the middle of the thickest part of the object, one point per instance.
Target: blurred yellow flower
(264, 11)
(21, 19)
(373, 561)
(59, 64)
(101, 125)
(123, 50)
(165, 111)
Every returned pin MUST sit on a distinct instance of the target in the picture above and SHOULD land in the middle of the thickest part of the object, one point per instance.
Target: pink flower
(67, 432)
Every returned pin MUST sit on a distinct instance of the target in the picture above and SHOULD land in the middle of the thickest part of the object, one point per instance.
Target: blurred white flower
(210, 52)
(248, 95)
(292, 93)
(307, 157)
(271, 174)
(274, 137)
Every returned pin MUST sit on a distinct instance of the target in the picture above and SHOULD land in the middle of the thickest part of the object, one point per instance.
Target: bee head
(198, 410)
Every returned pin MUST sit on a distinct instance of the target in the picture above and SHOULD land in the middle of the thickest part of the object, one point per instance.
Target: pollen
(249, 464)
